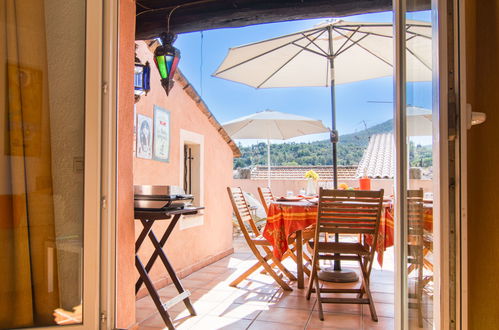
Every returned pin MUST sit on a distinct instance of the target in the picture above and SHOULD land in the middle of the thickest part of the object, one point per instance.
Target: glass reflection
(419, 203)
(41, 162)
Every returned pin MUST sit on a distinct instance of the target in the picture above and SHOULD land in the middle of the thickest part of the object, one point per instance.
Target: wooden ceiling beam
(221, 14)
(199, 15)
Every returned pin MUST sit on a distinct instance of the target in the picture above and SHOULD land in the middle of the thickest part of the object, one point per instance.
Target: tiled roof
(298, 172)
(378, 159)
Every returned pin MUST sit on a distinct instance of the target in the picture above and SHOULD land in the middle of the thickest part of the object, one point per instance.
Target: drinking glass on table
(289, 193)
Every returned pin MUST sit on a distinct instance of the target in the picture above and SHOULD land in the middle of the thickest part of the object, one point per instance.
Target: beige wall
(199, 244)
(482, 38)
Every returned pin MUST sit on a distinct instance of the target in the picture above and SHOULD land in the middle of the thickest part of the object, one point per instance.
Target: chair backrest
(242, 211)
(266, 197)
(415, 216)
(350, 211)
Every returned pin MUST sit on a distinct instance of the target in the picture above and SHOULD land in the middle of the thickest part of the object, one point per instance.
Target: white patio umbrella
(332, 53)
(419, 121)
(272, 125)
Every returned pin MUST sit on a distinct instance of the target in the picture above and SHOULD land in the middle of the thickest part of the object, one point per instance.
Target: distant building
(378, 161)
(325, 172)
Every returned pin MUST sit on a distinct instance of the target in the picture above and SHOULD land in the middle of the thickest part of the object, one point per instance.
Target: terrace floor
(259, 303)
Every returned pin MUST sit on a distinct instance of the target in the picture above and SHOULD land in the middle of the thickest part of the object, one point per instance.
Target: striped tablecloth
(285, 218)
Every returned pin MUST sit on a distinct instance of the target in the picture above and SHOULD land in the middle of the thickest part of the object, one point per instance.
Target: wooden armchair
(254, 239)
(346, 212)
(266, 197)
(415, 249)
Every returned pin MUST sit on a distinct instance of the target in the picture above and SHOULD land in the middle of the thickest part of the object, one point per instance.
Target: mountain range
(350, 150)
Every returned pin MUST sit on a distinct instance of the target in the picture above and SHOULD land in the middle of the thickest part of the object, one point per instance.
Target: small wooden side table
(148, 218)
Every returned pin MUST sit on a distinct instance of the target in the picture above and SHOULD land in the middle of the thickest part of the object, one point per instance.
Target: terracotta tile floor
(259, 303)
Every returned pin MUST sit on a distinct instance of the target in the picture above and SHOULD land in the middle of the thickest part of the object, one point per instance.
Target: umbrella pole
(336, 274)
(334, 141)
(268, 163)
(334, 132)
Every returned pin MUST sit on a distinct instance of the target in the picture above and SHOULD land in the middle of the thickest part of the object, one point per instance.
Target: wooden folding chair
(415, 249)
(346, 212)
(255, 240)
(267, 197)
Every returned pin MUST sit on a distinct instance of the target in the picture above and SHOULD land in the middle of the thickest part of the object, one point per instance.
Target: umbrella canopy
(361, 51)
(273, 125)
(332, 53)
(419, 121)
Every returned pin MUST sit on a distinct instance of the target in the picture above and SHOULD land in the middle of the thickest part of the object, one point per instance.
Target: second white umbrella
(273, 125)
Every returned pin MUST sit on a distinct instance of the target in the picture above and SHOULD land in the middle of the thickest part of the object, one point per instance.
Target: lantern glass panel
(169, 61)
(138, 77)
(146, 74)
(175, 64)
(160, 61)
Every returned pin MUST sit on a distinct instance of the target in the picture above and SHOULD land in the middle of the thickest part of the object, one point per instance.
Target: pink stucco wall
(201, 244)
(125, 289)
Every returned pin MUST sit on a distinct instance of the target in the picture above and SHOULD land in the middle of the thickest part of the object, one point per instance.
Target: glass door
(425, 100)
(49, 170)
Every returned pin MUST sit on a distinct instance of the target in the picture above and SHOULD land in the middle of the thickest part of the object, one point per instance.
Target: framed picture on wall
(144, 137)
(161, 146)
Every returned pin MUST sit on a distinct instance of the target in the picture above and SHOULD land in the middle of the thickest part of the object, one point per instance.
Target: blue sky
(356, 103)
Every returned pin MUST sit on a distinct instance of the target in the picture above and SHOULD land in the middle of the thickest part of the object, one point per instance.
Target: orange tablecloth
(386, 237)
(286, 218)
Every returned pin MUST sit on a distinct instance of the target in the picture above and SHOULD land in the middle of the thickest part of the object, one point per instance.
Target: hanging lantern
(166, 58)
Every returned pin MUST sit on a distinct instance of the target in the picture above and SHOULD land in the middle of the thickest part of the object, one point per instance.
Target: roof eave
(193, 94)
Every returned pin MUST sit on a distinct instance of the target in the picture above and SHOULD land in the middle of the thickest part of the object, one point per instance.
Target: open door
(427, 218)
(50, 164)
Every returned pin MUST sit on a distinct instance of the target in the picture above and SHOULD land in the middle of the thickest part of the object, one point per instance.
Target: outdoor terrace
(261, 304)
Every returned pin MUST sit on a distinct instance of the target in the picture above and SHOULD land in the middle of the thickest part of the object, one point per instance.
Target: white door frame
(94, 173)
(447, 83)
(93, 163)
(92, 214)
(108, 89)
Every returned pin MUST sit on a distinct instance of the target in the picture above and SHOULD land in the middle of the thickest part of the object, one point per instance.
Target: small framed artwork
(161, 146)
(144, 137)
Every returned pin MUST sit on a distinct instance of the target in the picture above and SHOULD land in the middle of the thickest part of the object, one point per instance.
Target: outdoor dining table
(286, 218)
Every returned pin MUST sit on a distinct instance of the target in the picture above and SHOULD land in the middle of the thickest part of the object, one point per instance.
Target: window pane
(41, 162)
(419, 203)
